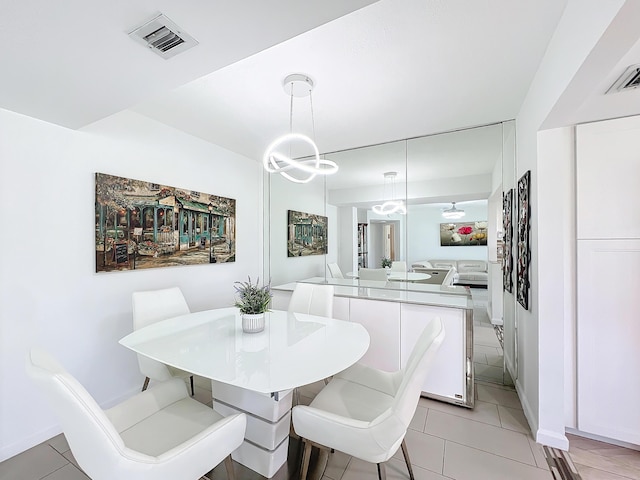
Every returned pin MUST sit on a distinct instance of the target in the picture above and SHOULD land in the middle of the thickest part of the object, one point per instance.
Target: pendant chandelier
(390, 206)
(277, 157)
(453, 213)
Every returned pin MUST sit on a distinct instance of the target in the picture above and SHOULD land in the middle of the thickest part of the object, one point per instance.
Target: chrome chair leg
(192, 390)
(382, 473)
(306, 456)
(405, 452)
(145, 384)
(228, 465)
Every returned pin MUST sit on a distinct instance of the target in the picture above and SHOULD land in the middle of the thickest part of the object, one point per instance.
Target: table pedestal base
(268, 423)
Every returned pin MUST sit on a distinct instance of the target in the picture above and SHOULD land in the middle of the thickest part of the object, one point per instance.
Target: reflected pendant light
(453, 213)
(390, 206)
(277, 157)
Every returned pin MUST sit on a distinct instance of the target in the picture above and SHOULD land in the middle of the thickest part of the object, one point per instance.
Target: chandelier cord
(313, 122)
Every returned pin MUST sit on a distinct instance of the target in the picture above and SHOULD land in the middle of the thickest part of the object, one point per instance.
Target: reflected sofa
(467, 272)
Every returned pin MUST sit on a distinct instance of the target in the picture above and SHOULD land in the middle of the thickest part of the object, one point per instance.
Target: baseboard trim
(28, 442)
(552, 439)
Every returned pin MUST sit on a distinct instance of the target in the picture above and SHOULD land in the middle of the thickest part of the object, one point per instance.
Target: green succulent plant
(386, 262)
(251, 298)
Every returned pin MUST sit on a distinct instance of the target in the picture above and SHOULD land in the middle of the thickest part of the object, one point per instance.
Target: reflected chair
(334, 270)
(312, 299)
(150, 307)
(399, 266)
(449, 277)
(379, 274)
(159, 434)
(365, 412)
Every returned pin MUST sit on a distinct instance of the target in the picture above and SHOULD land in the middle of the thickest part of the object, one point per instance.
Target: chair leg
(405, 452)
(228, 464)
(382, 473)
(145, 384)
(306, 456)
(192, 390)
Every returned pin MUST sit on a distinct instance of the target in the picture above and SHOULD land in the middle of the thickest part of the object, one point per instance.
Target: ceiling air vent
(163, 36)
(629, 80)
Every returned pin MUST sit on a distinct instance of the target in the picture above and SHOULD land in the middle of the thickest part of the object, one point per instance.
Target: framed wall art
(507, 225)
(524, 250)
(306, 234)
(139, 224)
(463, 234)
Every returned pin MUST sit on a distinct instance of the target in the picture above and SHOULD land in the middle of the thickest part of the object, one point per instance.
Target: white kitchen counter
(394, 314)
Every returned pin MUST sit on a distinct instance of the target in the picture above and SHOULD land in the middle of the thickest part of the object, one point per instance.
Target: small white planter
(252, 322)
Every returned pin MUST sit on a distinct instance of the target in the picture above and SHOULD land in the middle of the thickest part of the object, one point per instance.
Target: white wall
(423, 233)
(302, 197)
(50, 294)
(540, 375)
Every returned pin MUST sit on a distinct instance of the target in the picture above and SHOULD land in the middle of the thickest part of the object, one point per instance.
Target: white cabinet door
(447, 377)
(382, 321)
(608, 338)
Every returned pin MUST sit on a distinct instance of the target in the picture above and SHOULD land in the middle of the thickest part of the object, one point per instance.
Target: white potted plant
(253, 301)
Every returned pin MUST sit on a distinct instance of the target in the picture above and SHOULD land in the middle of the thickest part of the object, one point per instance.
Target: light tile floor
(491, 442)
(444, 441)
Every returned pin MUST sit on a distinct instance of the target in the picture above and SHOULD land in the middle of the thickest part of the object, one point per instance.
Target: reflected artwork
(463, 234)
(306, 234)
(140, 224)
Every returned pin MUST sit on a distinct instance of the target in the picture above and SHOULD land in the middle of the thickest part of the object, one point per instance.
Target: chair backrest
(391, 426)
(379, 274)
(93, 439)
(334, 270)
(399, 266)
(150, 307)
(448, 278)
(312, 299)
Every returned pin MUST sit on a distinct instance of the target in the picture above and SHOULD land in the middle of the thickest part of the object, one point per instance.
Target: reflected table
(399, 276)
(254, 372)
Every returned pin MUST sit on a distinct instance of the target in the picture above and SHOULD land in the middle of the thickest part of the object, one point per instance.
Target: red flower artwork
(465, 230)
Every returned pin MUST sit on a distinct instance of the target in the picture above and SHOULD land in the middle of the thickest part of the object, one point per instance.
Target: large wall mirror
(426, 174)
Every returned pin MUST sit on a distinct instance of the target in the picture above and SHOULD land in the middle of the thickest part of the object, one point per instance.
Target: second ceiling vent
(163, 37)
(629, 80)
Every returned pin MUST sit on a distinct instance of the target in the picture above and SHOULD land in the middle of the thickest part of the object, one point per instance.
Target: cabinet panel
(447, 377)
(382, 321)
(608, 338)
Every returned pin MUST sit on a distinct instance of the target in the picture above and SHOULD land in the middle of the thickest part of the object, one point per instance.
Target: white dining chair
(159, 434)
(449, 277)
(365, 412)
(399, 266)
(378, 274)
(312, 299)
(150, 307)
(334, 270)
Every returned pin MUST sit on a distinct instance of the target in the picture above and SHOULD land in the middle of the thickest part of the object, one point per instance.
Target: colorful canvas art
(140, 224)
(306, 234)
(463, 234)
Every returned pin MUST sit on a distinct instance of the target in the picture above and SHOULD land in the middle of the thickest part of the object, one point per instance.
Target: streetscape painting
(140, 224)
(307, 234)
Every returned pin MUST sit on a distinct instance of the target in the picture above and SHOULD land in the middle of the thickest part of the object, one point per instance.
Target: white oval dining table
(293, 350)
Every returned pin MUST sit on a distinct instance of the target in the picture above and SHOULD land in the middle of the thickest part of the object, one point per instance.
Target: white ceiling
(392, 70)
(384, 70)
(71, 62)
